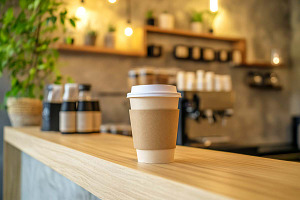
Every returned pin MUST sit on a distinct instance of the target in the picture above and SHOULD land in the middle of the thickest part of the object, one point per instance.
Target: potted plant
(166, 20)
(197, 22)
(69, 38)
(90, 38)
(150, 20)
(110, 38)
(27, 55)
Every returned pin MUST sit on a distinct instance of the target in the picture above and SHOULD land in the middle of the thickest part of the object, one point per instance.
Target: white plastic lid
(55, 95)
(71, 92)
(155, 90)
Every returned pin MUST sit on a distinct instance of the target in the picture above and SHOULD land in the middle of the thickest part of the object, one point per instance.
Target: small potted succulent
(110, 37)
(166, 20)
(197, 22)
(90, 38)
(150, 20)
(69, 38)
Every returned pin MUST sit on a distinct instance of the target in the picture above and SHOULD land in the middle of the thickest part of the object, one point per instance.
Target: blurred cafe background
(236, 63)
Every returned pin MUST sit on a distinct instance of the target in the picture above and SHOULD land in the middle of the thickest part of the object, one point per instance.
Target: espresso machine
(203, 116)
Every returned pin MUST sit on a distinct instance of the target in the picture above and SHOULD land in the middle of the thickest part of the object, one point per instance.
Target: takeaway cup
(154, 121)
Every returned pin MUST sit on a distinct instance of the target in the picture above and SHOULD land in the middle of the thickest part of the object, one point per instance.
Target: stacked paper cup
(200, 80)
(180, 80)
(190, 81)
(209, 81)
(218, 83)
(154, 120)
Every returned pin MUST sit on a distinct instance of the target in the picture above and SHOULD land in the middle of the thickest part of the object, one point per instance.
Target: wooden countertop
(106, 165)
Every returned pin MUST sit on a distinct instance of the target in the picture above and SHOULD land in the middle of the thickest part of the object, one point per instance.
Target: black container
(50, 116)
(150, 21)
(255, 79)
(271, 79)
(195, 53)
(154, 51)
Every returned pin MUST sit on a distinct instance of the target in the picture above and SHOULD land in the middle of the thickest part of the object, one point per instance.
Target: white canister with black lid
(84, 119)
(67, 115)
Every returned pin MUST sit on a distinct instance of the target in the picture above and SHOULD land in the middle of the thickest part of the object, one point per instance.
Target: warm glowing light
(128, 31)
(276, 60)
(112, 1)
(80, 13)
(213, 5)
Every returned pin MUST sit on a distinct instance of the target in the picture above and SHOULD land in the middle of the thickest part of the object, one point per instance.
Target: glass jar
(133, 77)
(146, 76)
(162, 76)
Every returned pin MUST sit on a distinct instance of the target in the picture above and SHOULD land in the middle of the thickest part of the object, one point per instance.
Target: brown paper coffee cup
(154, 129)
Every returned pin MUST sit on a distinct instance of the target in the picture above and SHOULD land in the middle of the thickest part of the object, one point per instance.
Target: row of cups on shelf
(207, 54)
(203, 81)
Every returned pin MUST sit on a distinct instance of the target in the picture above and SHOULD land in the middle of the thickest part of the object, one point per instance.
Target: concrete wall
(260, 116)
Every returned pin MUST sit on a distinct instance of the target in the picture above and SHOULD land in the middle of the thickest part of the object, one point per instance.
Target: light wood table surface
(106, 165)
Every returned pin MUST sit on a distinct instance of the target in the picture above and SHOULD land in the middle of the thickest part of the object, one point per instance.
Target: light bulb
(80, 13)
(112, 1)
(213, 5)
(128, 31)
(276, 60)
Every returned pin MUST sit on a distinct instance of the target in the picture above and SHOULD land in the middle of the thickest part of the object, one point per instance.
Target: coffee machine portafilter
(198, 108)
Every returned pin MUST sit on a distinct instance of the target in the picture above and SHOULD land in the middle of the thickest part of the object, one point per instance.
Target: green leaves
(26, 38)
(70, 80)
(197, 16)
(63, 17)
(32, 71)
(51, 19)
(23, 3)
(9, 16)
(72, 22)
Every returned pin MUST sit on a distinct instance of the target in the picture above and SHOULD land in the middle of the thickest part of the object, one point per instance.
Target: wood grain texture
(12, 173)
(106, 165)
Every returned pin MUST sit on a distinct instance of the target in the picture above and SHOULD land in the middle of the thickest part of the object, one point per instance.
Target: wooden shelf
(274, 88)
(187, 33)
(259, 65)
(238, 43)
(100, 50)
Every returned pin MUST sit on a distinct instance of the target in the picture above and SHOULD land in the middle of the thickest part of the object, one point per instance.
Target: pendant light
(80, 12)
(214, 5)
(128, 30)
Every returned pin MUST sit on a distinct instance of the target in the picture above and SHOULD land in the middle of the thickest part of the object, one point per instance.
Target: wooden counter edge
(104, 179)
